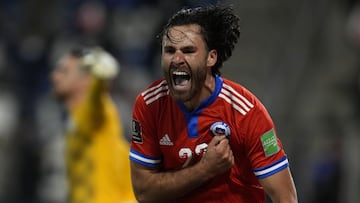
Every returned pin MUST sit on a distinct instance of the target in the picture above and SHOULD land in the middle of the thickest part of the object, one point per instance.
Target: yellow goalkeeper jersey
(97, 153)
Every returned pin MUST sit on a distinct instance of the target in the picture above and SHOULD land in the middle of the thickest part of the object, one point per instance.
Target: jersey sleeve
(144, 147)
(90, 115)
(263, 148)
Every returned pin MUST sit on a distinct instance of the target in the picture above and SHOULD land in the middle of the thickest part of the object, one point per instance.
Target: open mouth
(180, 78)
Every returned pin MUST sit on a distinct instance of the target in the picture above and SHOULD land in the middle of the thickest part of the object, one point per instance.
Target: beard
(196, 84)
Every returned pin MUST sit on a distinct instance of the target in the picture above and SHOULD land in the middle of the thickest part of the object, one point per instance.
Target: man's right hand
(218, 157)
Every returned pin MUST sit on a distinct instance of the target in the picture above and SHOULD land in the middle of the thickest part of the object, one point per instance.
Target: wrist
(202, 169)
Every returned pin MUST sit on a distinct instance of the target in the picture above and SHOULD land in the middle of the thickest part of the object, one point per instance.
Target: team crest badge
(220, 128)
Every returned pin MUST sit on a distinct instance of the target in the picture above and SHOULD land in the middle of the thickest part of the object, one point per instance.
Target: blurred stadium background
(300, 57)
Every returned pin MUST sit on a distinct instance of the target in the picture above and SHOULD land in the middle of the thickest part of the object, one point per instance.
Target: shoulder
(153, 93)
(237, 88)
(239, 97)
(244, 99)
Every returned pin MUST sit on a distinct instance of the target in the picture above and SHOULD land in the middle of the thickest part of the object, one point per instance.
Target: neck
(209, 85)
(74, 100)
(205, 92)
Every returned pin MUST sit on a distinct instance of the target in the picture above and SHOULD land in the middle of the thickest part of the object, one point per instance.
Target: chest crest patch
(220, 128)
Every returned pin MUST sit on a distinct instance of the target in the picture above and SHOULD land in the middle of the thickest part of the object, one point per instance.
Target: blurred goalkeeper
(96, 151)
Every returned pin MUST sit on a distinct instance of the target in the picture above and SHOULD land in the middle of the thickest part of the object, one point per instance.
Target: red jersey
(166, 135)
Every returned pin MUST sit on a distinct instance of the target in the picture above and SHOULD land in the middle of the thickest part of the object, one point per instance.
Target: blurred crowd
(299, 56)
(33, 36)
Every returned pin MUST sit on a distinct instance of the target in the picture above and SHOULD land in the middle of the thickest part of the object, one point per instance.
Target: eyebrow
(184, 48)
(189, 48)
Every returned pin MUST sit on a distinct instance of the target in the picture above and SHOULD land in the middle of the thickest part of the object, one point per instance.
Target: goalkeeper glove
(101, 64)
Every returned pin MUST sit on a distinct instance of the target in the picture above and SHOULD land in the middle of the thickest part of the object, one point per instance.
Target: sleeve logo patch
(136, 132)
(270, 143)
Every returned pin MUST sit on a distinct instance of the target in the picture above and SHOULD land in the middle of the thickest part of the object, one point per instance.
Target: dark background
(300, 57)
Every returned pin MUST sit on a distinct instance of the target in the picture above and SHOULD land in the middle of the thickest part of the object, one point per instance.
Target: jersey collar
(209, 100)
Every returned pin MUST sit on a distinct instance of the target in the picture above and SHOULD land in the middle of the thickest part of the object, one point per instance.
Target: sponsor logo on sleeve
(136, 132)
(270, 143)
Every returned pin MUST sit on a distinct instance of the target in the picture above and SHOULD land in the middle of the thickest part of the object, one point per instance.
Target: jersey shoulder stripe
(235, 99)
(143, 159)
(155, 92)
(272, 168)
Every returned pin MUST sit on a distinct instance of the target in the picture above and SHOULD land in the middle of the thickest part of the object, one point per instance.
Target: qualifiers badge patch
(270, 143)
(136, 132)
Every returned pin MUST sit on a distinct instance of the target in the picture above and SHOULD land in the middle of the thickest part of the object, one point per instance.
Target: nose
(178, 58)
(54, 75)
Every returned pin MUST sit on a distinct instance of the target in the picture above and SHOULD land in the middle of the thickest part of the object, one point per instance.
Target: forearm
(153, 186)
(96, 103)
(157, 186)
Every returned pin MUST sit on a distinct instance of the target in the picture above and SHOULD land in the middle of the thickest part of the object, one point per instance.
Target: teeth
(179, 73)
(181, 77)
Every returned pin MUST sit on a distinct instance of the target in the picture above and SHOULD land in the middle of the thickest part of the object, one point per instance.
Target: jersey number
(186, 153)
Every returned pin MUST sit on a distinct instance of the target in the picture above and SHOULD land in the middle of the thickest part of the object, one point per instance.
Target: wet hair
(219, 27)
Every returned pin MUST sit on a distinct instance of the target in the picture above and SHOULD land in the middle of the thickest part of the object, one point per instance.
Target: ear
(212, 58)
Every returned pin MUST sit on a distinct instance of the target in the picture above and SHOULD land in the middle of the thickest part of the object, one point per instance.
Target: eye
(188, 50)
(169, 50)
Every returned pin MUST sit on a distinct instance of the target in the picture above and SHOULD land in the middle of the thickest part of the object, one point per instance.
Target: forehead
(188, 34)
(67, 61)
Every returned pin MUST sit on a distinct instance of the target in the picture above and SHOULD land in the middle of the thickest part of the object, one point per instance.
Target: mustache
(179, 66)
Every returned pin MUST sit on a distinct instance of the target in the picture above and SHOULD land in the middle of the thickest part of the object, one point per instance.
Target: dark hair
(79, 51)
(219, 26)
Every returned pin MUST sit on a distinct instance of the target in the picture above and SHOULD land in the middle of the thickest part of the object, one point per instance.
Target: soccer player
(199, 137)
(96, 151)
